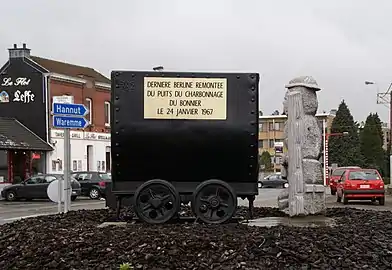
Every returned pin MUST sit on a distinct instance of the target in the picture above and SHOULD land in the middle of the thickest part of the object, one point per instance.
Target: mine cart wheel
(156, 201)
(214, 202)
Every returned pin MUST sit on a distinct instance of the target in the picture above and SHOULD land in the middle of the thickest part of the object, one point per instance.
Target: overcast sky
(340, 43)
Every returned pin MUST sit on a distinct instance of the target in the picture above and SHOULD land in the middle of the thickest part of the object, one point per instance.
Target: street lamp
(158, 68)
(382, 100)
(326, 140)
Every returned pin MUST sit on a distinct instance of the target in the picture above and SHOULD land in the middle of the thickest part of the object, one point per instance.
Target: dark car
(273, 181)
(36, 187)
(93, 183)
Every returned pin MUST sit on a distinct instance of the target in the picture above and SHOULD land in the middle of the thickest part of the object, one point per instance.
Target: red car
(335, 176)
(361, 184)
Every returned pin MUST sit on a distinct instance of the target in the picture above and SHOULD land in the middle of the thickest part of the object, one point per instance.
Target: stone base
(308, 221)
(314, 203)
(117, 224)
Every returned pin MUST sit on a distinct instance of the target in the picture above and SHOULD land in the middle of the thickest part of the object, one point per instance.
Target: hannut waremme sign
(22, 93)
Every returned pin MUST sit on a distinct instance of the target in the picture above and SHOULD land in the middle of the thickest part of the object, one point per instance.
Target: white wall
(79, 142)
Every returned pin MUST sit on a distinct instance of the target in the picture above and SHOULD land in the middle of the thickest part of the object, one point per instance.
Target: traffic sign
(63, 99)
(60, 121)
(69, 109)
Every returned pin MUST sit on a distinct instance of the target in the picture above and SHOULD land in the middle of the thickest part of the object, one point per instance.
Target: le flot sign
(21, 94)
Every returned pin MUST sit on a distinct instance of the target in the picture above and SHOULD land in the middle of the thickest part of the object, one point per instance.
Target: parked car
(335, 176)
(274, 181)
(361, 184)
(36, 187)
(93, 183)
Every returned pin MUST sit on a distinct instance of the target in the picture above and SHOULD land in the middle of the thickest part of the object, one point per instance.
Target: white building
(90, 151)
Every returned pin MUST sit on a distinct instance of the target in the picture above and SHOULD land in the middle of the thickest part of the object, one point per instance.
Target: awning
(15, 136)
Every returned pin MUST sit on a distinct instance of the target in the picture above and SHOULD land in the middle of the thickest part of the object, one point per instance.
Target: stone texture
(312, 143)
(313, 171)
(359, 239)
(303, 139)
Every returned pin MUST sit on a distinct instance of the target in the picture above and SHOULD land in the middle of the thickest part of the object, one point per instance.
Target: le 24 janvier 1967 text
(188, 99)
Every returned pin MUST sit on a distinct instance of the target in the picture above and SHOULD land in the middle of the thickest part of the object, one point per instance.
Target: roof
(70, 69)
(282, 116)
(14, 135)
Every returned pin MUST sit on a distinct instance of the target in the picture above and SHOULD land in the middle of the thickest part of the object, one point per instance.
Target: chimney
(16, 52)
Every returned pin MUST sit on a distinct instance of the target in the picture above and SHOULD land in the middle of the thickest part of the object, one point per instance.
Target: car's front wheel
(73, 198)
(381, 201)
(260, 185)
(10, 196)
(345, 200)
(94, 194)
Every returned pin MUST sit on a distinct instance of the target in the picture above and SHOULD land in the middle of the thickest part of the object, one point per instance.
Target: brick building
(271, 134)
(27, 87)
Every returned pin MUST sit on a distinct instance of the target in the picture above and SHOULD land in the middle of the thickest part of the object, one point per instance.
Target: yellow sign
(185, 98)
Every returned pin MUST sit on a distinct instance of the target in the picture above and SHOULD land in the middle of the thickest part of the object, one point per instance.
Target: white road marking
(32, 207)
(30, 216)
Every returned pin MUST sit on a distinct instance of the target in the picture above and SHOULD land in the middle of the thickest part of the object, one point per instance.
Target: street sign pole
(60, 191)
(67, 115)
(67, 170)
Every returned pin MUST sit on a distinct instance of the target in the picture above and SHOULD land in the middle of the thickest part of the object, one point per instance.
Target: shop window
(89, 105)
(107, 113)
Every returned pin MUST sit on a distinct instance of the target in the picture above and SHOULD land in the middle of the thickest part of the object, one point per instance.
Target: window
(79, 165)
(105, 176)
(54, 165)
(271, 144)
(89, 105)
(277, 126)
(261, 127)
(74, 165)
(271, 126)
(34, 180)
(260, 143)
(85, 176)
(50, 178)
(107, 113)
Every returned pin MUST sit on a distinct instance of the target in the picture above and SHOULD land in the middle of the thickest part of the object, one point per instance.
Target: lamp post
(385, 101)
(326, 141)
(158, 68)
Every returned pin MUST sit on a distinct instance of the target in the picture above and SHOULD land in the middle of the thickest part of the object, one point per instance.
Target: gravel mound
(362, 239)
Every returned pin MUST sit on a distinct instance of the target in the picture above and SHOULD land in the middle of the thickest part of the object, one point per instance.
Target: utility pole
(382, 98)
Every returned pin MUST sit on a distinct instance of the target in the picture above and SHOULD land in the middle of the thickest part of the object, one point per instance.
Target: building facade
(271, 135)
(27, 87)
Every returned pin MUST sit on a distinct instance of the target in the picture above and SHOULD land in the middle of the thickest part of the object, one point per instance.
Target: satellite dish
(53, 191)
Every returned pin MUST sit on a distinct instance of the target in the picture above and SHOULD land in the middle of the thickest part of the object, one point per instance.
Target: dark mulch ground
(362, 240)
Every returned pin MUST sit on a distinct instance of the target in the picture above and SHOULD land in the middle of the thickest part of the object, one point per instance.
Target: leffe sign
(22, 96)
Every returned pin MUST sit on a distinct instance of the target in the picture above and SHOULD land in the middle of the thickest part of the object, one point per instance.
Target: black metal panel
(29, 107)
(184, 151)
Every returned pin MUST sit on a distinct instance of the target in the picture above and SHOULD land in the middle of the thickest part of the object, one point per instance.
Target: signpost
(67, 115)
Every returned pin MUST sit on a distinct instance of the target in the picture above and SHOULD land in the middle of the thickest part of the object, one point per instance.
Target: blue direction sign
(69, 109)
(60, 121)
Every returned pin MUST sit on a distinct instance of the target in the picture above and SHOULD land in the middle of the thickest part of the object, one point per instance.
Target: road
(11, 211)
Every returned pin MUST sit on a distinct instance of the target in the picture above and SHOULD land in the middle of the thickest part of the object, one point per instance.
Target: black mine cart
(184, 137)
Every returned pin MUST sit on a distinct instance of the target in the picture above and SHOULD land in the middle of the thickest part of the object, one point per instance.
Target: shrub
(126, 266)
